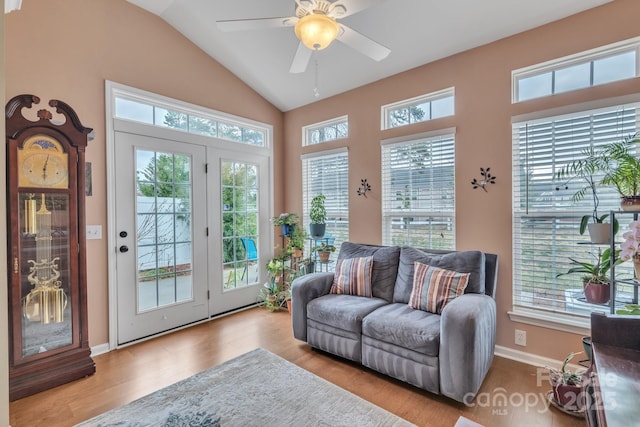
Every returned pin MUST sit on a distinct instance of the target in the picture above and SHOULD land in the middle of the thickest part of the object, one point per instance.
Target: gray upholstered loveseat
(448, 353)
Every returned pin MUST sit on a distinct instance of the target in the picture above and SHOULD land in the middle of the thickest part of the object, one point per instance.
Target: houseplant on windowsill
(595, 278)
(586, 170)
(622, 170)
(318, 216)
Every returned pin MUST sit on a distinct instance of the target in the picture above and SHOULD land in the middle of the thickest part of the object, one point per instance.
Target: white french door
(239, 200)
(161, 235)
(191, 232)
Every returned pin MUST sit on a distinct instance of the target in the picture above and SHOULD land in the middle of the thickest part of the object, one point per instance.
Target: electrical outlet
(521, 337)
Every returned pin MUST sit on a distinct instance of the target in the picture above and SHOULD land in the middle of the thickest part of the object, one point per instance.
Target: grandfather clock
(48, 343)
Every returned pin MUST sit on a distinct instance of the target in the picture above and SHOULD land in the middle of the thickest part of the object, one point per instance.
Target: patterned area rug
(255, 389)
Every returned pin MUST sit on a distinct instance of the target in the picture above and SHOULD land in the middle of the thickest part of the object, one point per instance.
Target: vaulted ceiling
(416, 31)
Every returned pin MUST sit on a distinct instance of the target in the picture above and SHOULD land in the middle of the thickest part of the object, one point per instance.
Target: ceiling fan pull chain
(316, 93)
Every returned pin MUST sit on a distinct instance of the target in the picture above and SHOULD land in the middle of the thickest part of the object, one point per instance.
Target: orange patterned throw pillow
(353, 276)
(434, 288)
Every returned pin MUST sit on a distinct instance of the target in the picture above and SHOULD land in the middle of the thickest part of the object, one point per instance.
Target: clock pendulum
(46, 302)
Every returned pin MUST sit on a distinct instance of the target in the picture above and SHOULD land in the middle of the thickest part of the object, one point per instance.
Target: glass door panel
(163, 211)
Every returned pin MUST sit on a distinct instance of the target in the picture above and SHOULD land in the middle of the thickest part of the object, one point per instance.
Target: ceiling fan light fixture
(316, 31)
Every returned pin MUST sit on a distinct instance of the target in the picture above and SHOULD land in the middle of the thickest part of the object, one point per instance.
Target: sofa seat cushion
(403, 326)
(343, 311)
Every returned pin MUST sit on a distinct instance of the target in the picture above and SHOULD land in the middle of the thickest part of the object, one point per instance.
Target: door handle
(123, 249)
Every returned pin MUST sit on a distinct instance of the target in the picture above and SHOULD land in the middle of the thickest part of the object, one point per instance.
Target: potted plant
(295, 244)
(318, 216)
(324, 251)
(567, 385)
(287, 222)
(586, 169)
(595, 278)
(630, 248)
(622, 170)
(272, 295)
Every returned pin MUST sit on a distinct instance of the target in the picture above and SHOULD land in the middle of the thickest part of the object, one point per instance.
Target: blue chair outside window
(252, 253)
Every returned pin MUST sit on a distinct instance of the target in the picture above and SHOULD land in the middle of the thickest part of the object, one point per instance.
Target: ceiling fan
(316, 26)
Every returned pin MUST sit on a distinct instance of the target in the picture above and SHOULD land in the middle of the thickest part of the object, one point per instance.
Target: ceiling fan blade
(362, 44)
(301, 59)
(256, 24)
(343, 8)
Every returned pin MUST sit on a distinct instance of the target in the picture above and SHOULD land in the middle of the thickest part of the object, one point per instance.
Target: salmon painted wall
(482, 81)
(66, 49)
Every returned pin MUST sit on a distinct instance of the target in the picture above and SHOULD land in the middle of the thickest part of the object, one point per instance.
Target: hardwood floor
(508, 397)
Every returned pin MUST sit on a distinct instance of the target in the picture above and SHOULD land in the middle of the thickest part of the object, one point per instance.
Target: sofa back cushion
(434, 288)
(385, 265)
(353, 276)
(472, 262)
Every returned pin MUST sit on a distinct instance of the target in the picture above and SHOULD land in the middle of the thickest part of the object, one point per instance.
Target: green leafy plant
(564, 375)
(318, 213)
(586, 169)
(630, 309)
(297, 239)
(622, 166)
(285, 219)
(323, 247)
(595, 272)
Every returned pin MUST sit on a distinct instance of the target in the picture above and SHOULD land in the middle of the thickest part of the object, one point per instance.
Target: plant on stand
(287, 222)
(295, 244)
(622, 170)
(318, 216)
(595, 278)
(630, 248)
(274, 293)
(567, 386)
(586, 169)
(324, 251)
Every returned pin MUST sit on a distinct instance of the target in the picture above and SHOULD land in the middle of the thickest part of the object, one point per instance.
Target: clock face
(43, 163)
(43, 169)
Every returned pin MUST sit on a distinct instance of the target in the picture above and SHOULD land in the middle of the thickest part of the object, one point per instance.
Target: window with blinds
(327, 173)
(418, 191)
(545, 218)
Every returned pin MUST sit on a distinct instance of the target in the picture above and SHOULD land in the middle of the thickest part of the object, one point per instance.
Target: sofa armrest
(467, 344)
(303, 290)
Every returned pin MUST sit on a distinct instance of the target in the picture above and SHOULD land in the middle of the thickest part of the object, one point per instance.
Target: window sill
(558, 321)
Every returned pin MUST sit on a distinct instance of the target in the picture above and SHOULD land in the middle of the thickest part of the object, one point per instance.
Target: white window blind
(328, 174)
(418, 192)
(545, 219)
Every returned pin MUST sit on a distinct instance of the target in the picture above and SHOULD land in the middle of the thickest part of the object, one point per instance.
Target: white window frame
(386, 110)
(588, 56)
(389, 212)
(307, 131)
(563, 321)
(161, 102)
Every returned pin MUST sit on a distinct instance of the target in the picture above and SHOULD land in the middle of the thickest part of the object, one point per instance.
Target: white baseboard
(532, 359)
(99, 349)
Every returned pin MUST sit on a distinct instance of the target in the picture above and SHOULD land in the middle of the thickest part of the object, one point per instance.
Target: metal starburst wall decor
(486, 179)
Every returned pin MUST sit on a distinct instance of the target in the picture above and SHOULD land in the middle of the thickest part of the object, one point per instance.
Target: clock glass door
(44, 269)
